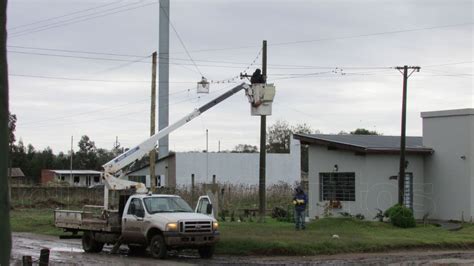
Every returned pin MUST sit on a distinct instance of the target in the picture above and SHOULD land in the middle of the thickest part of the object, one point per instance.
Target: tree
(245, 148)
(279, 135)
(363, 131)
(86, 157)
(11, 129)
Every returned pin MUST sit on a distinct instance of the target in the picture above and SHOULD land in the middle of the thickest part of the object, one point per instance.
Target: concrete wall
(238, 167)
(449, 170)
(373, 188)
(166, 167)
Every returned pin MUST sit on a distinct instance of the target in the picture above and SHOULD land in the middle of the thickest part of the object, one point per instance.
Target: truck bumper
(175, 239)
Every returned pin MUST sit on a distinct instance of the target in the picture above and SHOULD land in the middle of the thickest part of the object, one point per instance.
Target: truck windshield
(166, 204)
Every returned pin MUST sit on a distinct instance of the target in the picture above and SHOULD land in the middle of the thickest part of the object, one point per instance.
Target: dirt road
(70, 252)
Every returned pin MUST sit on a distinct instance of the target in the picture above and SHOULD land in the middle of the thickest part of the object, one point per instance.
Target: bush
(400, 216)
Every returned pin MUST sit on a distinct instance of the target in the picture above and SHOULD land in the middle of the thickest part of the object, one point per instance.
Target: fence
(36, 196)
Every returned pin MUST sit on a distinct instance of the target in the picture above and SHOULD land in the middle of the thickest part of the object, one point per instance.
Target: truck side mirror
(209, 209)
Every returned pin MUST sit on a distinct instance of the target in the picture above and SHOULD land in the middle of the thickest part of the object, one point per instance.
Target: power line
(74, 20)
(97, 110)
(181, 41)
(90, 80)
(62, 16)
(70, 51)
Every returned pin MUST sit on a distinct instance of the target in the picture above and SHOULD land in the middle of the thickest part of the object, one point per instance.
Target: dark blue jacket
(300, 200)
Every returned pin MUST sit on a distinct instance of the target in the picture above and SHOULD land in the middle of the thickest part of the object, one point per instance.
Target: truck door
(132, 222)
(204, 206)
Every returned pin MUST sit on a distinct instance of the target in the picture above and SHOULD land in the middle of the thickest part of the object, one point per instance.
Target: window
(97, 179)
(76, 179)
(166, 204)
(203, 206)
(135, 206)
(337, 186)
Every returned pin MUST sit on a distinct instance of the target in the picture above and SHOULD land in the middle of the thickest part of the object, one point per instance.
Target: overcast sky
(104, 92)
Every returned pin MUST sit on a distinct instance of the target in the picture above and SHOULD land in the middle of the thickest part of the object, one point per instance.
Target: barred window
(337, 186)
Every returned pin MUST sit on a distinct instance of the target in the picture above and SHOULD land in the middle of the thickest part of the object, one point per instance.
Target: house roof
(76, 172)
(15, 172)
(366, 143)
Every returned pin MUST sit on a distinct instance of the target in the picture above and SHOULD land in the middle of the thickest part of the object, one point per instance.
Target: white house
(358, 173)
(235, 168)
(76, 178)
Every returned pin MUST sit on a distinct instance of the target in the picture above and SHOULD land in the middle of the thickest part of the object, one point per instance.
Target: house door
(408, 191)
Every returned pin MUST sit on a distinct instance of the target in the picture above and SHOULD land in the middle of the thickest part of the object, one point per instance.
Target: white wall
(448, 175)
(372, 185)
(238, 167)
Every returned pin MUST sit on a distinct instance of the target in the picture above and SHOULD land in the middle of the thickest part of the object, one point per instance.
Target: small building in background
(75, 178)
(18, 178)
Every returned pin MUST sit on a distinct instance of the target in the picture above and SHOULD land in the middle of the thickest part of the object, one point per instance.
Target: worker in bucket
(300, 200)
(257, 77)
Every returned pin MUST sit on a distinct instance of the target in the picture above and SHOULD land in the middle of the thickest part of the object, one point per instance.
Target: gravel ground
(69, 251)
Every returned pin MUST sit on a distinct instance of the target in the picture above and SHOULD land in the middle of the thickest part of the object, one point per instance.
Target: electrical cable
(91, 80)
(181, 40)
(73, 21)
(62, 16)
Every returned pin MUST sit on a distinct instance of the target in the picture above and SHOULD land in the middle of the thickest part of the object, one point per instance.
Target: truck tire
(89, 244)
(206, 252)
(158, 247)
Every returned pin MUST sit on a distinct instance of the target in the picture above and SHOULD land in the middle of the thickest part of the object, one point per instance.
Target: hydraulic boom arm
(126, 158)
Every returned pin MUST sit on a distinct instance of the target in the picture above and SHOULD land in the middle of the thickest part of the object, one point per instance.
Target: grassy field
(280, 238)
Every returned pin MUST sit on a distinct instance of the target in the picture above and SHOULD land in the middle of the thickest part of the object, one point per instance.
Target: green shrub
(401, 216)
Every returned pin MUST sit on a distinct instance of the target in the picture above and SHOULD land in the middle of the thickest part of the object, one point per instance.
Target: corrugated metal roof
(16, 172)
(77, 172)
(368, 142)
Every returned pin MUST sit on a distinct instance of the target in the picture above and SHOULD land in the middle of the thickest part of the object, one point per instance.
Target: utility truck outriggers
(154, 221)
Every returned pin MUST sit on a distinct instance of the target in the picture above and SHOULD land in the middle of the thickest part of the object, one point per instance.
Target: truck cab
(166, 222)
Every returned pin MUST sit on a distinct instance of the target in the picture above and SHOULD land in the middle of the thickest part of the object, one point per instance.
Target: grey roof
(77, 172)
(15, 172)
(366, 143)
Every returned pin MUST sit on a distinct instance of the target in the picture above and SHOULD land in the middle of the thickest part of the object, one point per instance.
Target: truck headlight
(215, 226)
(172, 227)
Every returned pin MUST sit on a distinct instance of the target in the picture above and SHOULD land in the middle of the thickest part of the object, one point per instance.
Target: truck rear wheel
(206, 252)
(89, 244)
(158, 247)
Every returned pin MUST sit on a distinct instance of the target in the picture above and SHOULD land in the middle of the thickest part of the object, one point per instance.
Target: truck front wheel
(206, 252)
(89, 244)
(158, 247)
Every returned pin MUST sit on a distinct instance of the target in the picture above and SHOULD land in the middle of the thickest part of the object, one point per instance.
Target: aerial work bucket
(261, 96)
(203, 86)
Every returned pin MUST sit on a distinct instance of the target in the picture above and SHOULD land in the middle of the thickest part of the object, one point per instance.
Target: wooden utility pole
(401, 171)
(263, 150)
(153, 122)
(5, 235)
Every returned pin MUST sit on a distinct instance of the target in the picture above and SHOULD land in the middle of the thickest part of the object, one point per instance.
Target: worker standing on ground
(257, 77)
(300, 200)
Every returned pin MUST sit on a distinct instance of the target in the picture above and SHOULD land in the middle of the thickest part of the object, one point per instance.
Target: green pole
(5, 235)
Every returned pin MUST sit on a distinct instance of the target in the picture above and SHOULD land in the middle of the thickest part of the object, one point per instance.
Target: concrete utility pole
(263, 150)
(163, 75)
(5, 235)
(153, 121)
(401, 172)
